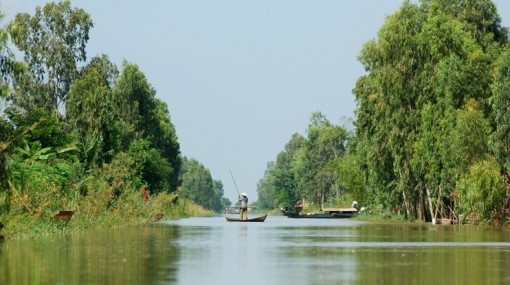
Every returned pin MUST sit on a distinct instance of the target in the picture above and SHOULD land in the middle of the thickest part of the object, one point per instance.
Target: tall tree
(501, 105)
(91, 111)
(325, 143)
(266, 198)
(283, 176)
(429, 61)
(8, 133)
(198, 185)
(53, 41)
(164, 138)
(148, 116)
(350, 175)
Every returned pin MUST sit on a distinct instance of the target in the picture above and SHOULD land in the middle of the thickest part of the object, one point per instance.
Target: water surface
(278, 251)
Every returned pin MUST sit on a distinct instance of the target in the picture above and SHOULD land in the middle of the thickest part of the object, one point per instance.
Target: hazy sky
(239, 77)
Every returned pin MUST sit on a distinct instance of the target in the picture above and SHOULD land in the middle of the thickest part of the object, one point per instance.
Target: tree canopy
(424, 115)
(198, 186)
(431, 128)
(53, 41)
(307, 168)
(83, 135)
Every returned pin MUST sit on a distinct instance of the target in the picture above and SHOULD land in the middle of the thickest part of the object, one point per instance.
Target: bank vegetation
(86, 136)
(432, 128)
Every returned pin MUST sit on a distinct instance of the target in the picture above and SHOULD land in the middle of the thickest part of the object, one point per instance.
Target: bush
(482, 191)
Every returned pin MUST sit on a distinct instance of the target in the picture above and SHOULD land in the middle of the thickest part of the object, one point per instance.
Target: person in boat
(355, 205)
(243, 199)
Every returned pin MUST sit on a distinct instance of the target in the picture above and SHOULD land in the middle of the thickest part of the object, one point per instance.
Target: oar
(234, 182)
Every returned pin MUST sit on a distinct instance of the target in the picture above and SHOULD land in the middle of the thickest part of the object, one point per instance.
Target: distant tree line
(72, 128)
(314, 168)
(432, 127)
(198, 186)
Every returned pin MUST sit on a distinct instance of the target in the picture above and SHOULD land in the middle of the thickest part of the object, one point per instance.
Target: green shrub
(482, 191)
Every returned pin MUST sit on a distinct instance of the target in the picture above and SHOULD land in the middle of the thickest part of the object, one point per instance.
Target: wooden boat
(238, 219)
(64, 216)
(452, 221)
(326, 213)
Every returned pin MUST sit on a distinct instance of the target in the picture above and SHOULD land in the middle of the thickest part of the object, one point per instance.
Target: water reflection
(278, 251)
(141, 255)
(426, 254)
(286, 251)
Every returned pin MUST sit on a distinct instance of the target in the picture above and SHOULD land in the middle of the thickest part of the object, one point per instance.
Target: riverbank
(132, 210)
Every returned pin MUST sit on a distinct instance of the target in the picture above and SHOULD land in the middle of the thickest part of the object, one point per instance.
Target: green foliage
(307, 169)
(90, 105)
(108, 196)
(135, 98)
(114, 137)
(225, 202)
(350, 179)
(469, 141)
(151, 166)
(501, 105)
(266, 197)
(482, 191)
(148, 116)
(38, 176)
(53, 41)
(278, 187)
(325, 142)
(424, 112)
(198, 186)
(164, 137)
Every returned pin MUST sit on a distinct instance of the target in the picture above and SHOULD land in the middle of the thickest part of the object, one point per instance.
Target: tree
(9, 134)
(501, 105)
(136, 98)
(90, 111)
(53, 42)
(482, 191)
(281, 178)
(429, 61)
(147, 117)
(325, 142)
(151, 166)
(307, 168)
(198, 186)
(164, 138)
(350, 175)
(219, 203)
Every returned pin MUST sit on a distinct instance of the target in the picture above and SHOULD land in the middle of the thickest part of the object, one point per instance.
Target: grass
(130, 210)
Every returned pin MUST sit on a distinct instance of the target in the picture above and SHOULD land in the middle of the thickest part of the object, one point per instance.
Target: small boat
(64, 216)
(326, 213)
(238, 219)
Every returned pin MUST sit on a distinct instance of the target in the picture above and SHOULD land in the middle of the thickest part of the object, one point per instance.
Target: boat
(238, 219)
(326, 213)
(63, 215)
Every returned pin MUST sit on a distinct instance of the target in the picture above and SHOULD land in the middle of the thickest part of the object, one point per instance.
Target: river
(278, 251)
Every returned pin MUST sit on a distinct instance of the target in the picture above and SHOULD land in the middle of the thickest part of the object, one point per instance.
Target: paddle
(234, 182)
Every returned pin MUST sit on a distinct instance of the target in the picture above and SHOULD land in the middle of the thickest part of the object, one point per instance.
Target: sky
(239, 77)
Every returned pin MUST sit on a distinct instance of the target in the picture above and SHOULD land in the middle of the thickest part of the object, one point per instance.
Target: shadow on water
(278, 251)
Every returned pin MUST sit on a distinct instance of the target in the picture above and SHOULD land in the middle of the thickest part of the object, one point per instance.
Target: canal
(278, 251)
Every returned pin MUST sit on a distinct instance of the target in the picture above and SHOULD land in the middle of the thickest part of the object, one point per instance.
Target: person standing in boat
(243, 199)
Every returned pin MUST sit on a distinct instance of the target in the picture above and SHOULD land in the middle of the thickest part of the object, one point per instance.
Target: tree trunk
(406, 203)
(420, 208)
(431, 207)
